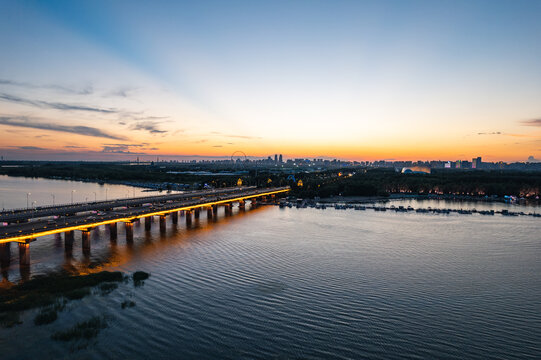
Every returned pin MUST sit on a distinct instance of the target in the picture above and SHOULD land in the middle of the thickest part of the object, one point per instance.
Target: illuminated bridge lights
(129, 219)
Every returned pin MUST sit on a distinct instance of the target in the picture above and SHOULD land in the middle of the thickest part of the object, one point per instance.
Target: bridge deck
(28, 231)
(17, 215)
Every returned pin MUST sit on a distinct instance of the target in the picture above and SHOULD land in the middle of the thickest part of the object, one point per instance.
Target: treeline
(347, 181)
(383, 182)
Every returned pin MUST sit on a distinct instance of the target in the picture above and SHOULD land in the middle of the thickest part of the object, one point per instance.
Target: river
(303, 284)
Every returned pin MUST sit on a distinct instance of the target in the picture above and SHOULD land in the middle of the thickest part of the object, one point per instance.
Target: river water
(304, 284)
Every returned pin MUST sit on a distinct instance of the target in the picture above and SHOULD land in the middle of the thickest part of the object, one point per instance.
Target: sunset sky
(359, 80)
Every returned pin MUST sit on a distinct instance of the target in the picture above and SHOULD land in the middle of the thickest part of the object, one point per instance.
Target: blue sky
(353, 79)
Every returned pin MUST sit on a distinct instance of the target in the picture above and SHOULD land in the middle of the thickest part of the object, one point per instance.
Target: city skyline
(361, 81)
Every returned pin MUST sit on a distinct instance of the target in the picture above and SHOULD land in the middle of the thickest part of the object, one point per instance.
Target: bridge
(24, 226)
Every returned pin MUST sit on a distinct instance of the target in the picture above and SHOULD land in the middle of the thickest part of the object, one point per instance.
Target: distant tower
(280, 159)
(275, 158)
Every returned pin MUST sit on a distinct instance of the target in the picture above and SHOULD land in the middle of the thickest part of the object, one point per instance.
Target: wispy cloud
(85, 90)
(29, 148)
(121, 149)
(150, 126)
(532, 122)
(53, 105)
(35, 124)
(490, 133)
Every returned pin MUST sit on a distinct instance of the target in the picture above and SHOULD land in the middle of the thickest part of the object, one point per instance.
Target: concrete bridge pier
(68, 240)
(129, 231)
(85, 236)
(209, 213)
(228, 209)
(24, 254)
(174, 217)
(113, 232)
(196, 213)
(188, 214)
(162, 223)
(242, 205)
(215, 210)
(5, 255)
(253, 202)
(148, 223)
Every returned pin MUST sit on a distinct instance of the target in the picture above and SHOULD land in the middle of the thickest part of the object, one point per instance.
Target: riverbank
(484, 199)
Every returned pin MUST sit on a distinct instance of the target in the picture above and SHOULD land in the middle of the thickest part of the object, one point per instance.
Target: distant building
(280, 159)
(476, 163)
(275, 158)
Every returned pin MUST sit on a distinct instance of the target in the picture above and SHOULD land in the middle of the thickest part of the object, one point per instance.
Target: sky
(356, 80)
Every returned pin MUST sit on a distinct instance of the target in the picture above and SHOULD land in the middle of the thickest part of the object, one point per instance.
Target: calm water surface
(14, 190)
(305, 284)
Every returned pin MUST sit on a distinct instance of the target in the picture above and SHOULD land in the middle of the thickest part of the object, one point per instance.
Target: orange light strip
(24, 238)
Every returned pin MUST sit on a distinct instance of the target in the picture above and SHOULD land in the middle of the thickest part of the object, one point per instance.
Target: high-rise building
(476, 163)
(275, 158)
(280, 159)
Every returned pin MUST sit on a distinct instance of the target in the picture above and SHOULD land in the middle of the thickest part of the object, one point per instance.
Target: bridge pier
(148, 223)
(242, 205)
(85, 236)
(196, 213)
(188, 218)
(113, 232)
(253, 203)
(24, 254)
(162, 223)
(209, 213)
(129, 231)
(228, 208)
(215, 210)
(174, 217)
(5, 255)
(68, 240)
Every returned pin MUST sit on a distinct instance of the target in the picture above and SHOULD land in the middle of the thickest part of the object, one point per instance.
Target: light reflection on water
(307, 283)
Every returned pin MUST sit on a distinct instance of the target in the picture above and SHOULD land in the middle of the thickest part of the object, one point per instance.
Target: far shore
(371, 199)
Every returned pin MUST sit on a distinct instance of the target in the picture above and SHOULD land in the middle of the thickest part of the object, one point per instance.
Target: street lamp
(72, 191)
(27, 195)
(53, 198)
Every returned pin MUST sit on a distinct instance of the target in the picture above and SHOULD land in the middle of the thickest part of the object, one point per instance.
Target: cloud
(217, 146)
(53, 105)
(86, 90)
(490, 133)
(532, 122)
(150, 126)
(74, 147)
(80, 130)
(121, 149)
(122, 92)
(531, 159)
(29, 148)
